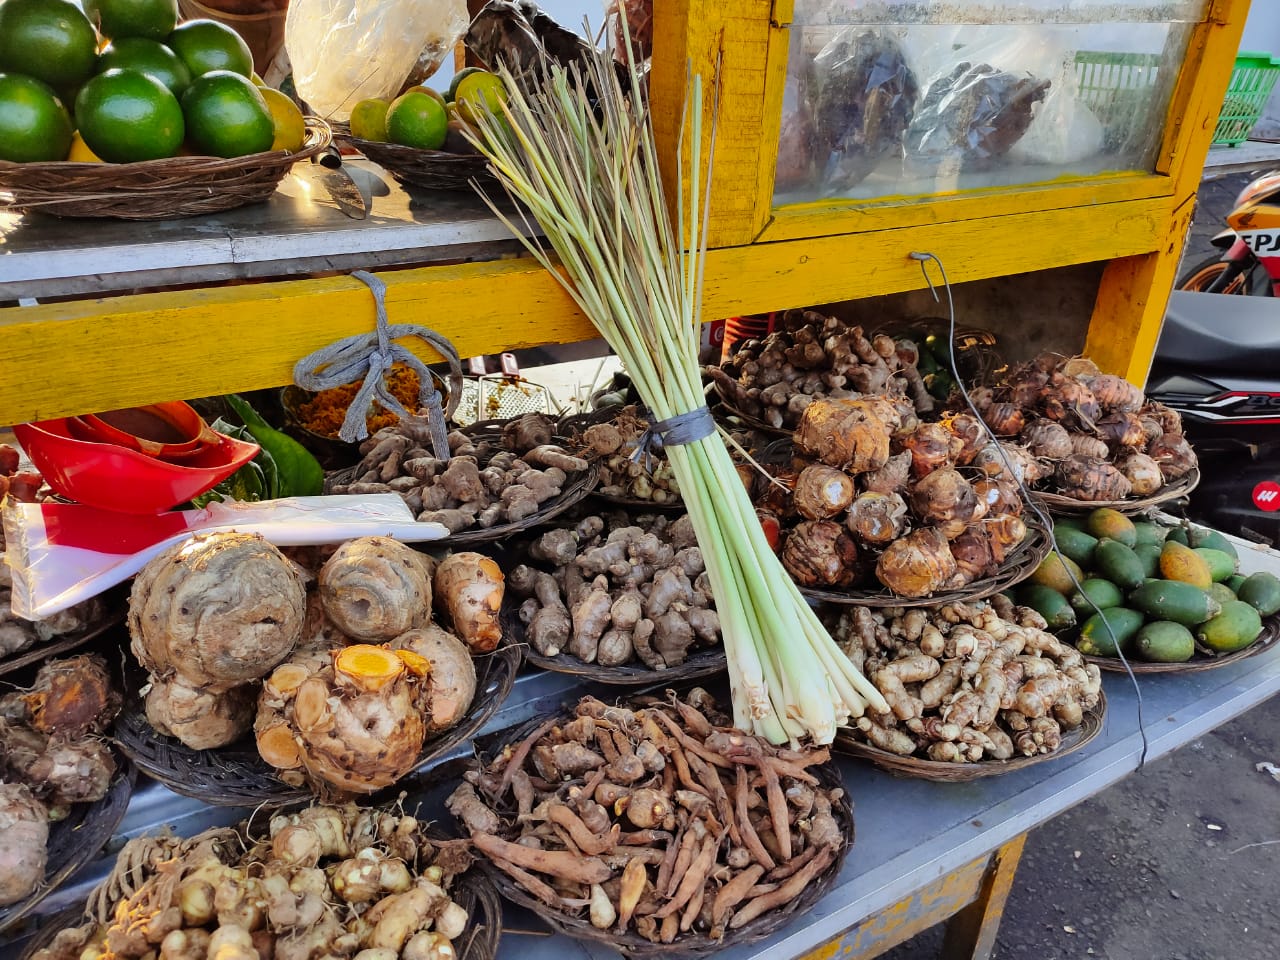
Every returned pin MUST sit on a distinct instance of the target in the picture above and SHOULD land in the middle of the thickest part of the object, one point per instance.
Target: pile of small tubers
(867, 498)
(810, 356)
(342, 675)
(967, 681)
(657, 818)
(328, 881)
(621, 590)
(1085, 434)
(629, 470)
(52, 754)
(482, 484)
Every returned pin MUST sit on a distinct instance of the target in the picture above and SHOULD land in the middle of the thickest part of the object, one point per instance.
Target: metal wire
(923, 257)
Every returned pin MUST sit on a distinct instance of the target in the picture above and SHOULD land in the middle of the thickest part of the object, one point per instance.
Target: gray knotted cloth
(683, 428)
(370, 356)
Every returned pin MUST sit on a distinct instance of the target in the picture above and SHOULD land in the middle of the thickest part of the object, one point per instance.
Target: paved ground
(1178, 862)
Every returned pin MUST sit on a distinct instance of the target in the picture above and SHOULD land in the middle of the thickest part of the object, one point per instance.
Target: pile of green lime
(429, 120)
(123, 81)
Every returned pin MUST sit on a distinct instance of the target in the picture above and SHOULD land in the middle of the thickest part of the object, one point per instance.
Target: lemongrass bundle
(578, 152)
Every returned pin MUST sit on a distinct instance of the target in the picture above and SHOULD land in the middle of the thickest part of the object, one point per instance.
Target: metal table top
(298, 230)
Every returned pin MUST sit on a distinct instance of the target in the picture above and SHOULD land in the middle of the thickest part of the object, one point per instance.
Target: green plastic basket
(1120, 90)
(1252, 81)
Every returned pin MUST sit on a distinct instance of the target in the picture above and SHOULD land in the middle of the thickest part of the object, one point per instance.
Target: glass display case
(907, 98)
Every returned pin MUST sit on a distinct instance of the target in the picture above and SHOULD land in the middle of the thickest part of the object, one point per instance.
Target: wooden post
(971, 933)
(1134, 292)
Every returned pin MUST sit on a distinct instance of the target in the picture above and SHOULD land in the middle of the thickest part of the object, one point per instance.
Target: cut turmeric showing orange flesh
(367, 667)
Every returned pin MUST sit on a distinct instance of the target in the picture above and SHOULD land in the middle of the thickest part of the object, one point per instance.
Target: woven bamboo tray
(430, 169)
(75, 840)
(918, 768)
(1204, 658)
(1069, 506)
(60, 645)
(153, 189)
(633, 945)
(236, 776)
(1018, 565)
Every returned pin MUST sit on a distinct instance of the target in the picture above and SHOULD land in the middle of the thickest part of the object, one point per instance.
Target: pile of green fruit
(423, 118)
(123, 81)
(1162, 592)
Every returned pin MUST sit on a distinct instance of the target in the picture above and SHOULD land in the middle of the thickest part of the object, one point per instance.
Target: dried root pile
(621, 591)
(870, 498)
(811, 356)
(52, 754)
(482, 484)
(1087, 434)
(967, 682)
(342, 684)
(326, 882)
(661, 819)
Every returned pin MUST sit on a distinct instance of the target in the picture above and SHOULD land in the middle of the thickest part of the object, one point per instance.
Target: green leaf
(298, 473)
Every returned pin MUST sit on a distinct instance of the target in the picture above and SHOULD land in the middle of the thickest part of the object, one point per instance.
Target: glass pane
(912, 97)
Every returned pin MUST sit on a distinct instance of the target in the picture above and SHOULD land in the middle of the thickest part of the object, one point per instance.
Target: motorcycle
(1220, 369)
(1250, 261)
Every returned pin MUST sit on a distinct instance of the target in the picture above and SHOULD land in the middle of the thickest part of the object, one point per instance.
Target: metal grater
(494, 396)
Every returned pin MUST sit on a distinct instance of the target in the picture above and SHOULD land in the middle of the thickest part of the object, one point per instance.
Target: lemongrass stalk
(588, 175)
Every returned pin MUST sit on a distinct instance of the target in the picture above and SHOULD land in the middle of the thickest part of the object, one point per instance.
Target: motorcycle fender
(1225, 239)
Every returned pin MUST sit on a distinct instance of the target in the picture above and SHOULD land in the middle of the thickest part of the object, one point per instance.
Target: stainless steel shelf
(297, 231)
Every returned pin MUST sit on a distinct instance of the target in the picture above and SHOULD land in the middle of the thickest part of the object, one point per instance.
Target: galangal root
(872, 497)
(658, 818)
(1095, 435)
(619, 592)
(480, 485)
(329, 881)
(626, 471)
(967, 682)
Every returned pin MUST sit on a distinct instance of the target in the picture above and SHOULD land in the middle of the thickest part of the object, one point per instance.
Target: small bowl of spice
(317, 417)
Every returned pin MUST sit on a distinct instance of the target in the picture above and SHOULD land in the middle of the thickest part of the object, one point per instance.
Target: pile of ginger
(967, 681)
(622, 589)
(328, 881)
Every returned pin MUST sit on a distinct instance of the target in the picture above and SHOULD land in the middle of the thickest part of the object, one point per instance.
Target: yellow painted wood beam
(67, 358)
(1134, 292)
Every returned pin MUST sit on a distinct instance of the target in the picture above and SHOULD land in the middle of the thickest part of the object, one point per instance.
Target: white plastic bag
(61, 553)
(345, 51)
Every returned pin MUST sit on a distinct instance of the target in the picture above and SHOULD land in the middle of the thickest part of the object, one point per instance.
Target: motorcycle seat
(1214, 331)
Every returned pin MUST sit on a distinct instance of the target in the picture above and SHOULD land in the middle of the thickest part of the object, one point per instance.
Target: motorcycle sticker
(1266, 496)
(1262, 242)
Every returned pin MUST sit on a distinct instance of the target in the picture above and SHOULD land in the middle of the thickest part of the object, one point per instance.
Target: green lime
(368, 120)
(126, 116)
(206, 45)
(458, 78)
(480, 93)
(51, 40)
(34, 125)
(119, 19)
(417, 119)
(150, 57)
(227, 115)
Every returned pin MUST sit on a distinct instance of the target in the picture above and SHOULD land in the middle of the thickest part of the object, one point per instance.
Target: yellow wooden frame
(68, 358)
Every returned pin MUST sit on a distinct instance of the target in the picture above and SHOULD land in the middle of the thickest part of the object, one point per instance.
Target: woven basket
(1018, 565)
(431, 169)
(236, 776)
(1204, 658)
(153, 189)
(75, 840)
(1069, 506)
(918, 768)
(45, 651)
(632, 944)
(473, 891)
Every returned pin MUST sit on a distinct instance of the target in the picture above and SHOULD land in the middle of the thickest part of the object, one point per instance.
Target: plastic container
(1252, 81)
(1120, 89)
(112, 477)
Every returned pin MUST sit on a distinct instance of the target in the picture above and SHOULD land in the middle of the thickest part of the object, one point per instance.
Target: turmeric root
(469, 588)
